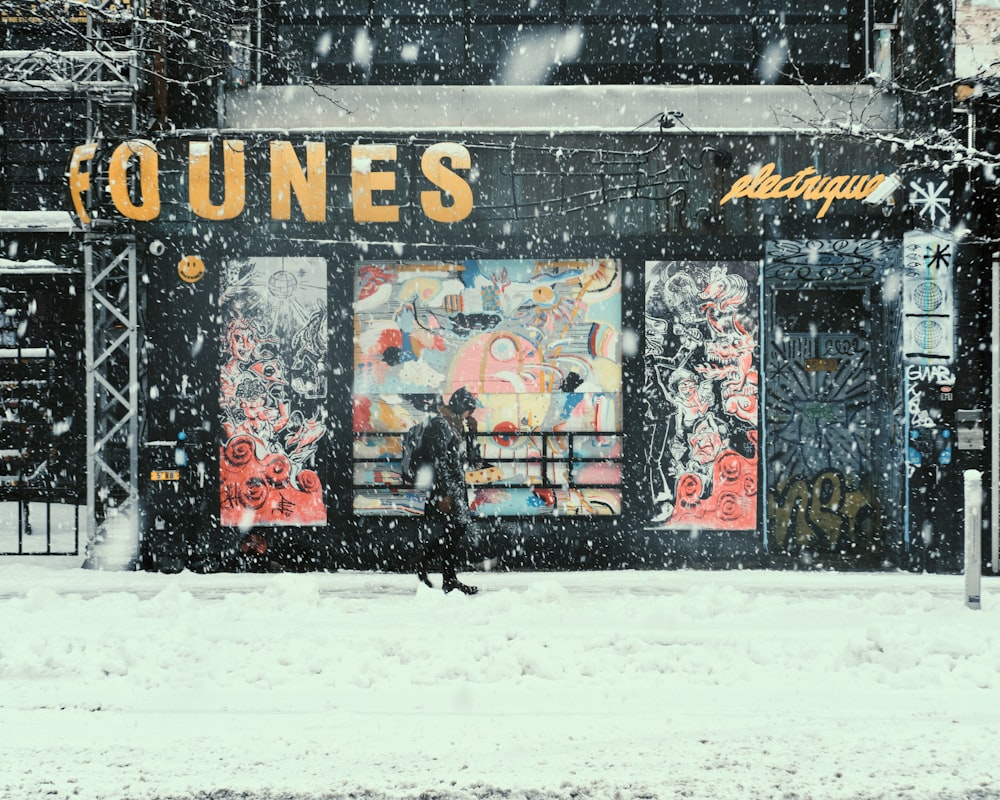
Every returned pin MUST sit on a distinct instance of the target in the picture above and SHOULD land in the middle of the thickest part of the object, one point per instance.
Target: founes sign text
(297, 174)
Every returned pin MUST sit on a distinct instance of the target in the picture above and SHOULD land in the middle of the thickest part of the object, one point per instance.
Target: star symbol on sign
(932, 200)
(938, 257)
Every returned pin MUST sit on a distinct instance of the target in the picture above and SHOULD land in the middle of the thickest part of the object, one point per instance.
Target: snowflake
(932, 200)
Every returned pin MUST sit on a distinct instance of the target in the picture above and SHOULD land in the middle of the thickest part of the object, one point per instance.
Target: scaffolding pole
(112, 401)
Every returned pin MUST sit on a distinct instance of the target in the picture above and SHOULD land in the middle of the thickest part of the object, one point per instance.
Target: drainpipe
(161, 102)
(995, 425)
(994, 388)
(994, 488)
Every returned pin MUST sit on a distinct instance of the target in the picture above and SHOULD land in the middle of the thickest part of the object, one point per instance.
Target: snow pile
(133, 686)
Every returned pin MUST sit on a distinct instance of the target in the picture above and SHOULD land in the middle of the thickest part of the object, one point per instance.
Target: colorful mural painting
(272, 390)
(537, 341)
(702, 390)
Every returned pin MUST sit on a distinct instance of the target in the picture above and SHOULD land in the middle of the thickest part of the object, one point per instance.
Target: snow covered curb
(132, 686)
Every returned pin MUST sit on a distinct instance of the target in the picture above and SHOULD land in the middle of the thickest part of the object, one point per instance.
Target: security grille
(43, 422)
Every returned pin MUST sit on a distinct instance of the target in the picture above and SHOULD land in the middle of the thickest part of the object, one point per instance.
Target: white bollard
(973, 536)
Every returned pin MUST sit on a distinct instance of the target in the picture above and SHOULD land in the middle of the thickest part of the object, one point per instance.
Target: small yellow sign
(822, 364)
(165, 475)
(191, 269)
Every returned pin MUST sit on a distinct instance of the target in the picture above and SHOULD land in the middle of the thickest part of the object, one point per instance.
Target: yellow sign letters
(134, 181)
(806, 183)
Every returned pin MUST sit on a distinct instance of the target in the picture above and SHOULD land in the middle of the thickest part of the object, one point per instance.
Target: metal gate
(42, 412)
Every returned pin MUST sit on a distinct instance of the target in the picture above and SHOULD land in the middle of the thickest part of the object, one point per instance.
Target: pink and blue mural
(537, 341)
(272, 391)
(702, 384)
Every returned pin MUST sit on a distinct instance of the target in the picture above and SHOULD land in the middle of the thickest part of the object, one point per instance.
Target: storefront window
(702, 393)
(538, 342)
(272, 391)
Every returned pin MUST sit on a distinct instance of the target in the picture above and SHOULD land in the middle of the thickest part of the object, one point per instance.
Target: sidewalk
(730, 685)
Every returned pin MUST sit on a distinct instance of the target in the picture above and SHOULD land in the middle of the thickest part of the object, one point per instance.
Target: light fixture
(669, 119)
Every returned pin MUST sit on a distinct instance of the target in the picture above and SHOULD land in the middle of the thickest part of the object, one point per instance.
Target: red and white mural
(272, 391)
(702, 391)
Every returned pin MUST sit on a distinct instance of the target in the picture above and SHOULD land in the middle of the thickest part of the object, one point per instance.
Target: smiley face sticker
(191, 269)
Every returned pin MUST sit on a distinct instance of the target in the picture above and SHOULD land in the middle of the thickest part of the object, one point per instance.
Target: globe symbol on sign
(928, 296)
(928, 334)
(282, 284)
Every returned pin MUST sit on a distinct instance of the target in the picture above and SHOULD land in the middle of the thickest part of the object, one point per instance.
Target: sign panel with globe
(272, 390)
(928, 305)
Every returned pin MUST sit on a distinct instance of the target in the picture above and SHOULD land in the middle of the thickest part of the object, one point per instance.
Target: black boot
(455, 583)
(422, 569)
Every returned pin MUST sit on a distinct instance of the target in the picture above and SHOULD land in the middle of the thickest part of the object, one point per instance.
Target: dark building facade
(714, 314)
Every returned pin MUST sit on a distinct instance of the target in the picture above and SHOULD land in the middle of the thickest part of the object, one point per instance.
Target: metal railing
(68, 70)
(532, 460)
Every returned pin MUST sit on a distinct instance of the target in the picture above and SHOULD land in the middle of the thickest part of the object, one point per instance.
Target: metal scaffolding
(105, 72)
(112, 385)
(112, 317)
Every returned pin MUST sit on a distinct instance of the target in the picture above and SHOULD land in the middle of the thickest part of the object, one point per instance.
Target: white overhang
(623, 109)
(38, 221)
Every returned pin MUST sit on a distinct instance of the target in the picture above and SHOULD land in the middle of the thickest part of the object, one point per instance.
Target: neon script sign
(373, 181)
(806, 183)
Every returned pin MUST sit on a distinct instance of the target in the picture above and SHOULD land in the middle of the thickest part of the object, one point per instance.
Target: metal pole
(259, 77)
(995, 425)
(973, 536)
(90, 348)
(133, 383)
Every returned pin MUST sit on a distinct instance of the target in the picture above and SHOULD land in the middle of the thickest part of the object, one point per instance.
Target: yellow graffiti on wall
(826, 508)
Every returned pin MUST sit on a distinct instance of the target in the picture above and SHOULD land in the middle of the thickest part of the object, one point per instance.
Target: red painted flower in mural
(729, 467)
(309, 481)
(277, 469)
(253, 493)
(239, 451)
(730, 507)
(689, 487)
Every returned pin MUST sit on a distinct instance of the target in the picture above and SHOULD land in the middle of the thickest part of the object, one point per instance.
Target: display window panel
(272, 391)
(702, 389)
(538, 343)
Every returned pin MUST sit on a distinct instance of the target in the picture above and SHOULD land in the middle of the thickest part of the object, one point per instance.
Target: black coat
(445, 446)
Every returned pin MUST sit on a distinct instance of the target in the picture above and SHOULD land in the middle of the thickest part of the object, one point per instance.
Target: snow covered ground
(134, 686)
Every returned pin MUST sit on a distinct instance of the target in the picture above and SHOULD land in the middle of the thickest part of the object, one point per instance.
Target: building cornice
(621, 109)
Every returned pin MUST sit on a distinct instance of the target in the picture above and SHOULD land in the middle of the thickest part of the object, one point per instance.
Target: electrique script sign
(806, 183)
(372, 179)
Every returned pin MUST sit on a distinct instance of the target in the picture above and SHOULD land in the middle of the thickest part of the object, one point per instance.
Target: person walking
(449, 446)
